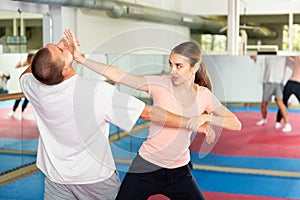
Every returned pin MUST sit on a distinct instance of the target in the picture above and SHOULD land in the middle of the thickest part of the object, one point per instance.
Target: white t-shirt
(73, 119)
(273, 68)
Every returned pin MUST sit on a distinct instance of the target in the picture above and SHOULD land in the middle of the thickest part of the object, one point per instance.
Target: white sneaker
(11, 113)
(287, 128)
(277, 125)
(261, 122)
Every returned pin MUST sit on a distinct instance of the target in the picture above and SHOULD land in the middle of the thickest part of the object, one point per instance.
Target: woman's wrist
(80, 59)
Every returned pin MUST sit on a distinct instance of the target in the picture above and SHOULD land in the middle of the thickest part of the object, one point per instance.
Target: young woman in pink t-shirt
(163, 164)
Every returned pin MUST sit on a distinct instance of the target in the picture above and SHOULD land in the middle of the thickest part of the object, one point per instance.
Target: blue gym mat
(31, 187)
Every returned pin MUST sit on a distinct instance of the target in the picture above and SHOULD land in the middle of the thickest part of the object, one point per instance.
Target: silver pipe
(117, 9)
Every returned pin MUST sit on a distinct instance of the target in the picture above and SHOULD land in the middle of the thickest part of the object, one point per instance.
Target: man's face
(61, 51)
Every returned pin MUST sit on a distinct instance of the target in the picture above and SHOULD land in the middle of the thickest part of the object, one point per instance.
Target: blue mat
(18, 144)
(285, 164)
(14, 161)
(257, 109)
(248, 184)
(7, 103)
(28, 188)
(31, 187)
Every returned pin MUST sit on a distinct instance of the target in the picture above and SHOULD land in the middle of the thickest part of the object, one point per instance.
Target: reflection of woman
(22, 66)
(3, 83)
(163, 164)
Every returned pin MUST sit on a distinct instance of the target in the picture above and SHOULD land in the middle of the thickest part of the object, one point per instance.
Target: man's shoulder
(26, 77)
(94, 84)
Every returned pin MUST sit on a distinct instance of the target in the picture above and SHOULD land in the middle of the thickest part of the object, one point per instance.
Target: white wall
(235, 78)
(118, 35)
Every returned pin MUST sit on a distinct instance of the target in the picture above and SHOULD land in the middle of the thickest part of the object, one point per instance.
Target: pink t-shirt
(166, 146)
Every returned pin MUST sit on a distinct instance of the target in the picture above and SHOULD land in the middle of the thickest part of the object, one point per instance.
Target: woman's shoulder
(157, 79)
(202, 89)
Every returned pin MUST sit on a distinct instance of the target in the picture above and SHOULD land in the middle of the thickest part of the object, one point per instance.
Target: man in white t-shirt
(73, 116)
(272, 78)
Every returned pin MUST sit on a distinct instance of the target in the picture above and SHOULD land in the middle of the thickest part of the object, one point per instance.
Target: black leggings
(25, 102)
(291, 87)
(141, 182)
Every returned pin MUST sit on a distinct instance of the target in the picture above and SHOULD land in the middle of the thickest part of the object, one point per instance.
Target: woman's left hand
(195, 122)
(209, 132)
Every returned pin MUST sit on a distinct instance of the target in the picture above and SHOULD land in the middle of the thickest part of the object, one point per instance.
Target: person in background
(273, 74)
(22, 67)
(291, 87)
(73, 115)
(4, 78)
(162, 164)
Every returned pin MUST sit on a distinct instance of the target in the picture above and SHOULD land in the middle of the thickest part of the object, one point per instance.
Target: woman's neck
(185, 88)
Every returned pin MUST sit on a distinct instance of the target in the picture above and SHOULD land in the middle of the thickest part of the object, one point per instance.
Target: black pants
(25, 102)
(291, 87)
(141, 182)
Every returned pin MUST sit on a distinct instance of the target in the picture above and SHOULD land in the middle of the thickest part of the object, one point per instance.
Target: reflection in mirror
(255, 149)
(18, 135)
(21, 34)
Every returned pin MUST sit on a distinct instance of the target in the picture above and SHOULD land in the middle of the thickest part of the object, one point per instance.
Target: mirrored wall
(21, 33)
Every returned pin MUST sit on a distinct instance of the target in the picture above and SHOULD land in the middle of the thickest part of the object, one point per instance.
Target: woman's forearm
(110, 72)
(228, 122)
(225, 118)
(116, 75)
(163, 117)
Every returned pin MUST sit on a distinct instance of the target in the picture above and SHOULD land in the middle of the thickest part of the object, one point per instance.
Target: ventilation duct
(117, 9)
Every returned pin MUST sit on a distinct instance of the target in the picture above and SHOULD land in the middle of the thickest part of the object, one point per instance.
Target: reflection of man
(73, 116)
(273, 73)
(4, 83)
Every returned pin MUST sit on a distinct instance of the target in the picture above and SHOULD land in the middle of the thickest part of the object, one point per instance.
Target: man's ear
(65, 71)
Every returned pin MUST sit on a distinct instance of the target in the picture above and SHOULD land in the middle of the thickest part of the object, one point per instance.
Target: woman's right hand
(74, 46)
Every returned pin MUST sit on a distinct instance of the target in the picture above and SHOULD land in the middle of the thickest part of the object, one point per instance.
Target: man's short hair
(45, 69)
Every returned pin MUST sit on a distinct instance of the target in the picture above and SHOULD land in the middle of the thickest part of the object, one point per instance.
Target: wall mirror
(20, 33)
